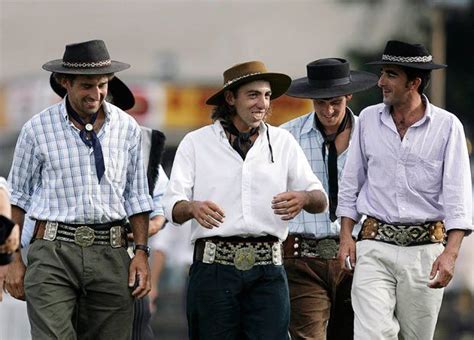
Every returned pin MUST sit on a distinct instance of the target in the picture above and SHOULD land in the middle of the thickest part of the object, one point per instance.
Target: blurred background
(178, 51)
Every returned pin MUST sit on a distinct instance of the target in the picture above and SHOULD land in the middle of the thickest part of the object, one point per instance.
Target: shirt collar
(105, 105)
(217, 126)
(309, 124)
(385, 112)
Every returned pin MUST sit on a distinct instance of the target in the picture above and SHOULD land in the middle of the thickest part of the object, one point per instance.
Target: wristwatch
(143, 247)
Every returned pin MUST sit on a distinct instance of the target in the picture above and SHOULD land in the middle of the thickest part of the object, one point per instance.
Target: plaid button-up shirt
(311, 141)
(51, 158)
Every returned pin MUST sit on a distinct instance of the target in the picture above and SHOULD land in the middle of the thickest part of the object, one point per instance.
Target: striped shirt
(51, 157)
(311, 141)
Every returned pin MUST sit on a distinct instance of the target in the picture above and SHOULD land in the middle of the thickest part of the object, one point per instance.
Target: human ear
(229, 97)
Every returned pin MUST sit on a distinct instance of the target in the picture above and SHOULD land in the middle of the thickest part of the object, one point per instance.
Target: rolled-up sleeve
(158, 193)
(354, 175)
(25, 172)
(137, 198)
(457, 183)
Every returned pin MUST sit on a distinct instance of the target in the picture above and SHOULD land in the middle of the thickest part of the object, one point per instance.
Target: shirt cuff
(347, 212)
(459, 223)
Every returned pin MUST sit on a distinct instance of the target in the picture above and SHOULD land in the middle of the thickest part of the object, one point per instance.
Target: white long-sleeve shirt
(206, 167)
(424, 177)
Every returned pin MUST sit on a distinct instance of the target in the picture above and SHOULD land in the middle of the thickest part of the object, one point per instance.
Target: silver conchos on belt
(84, 236)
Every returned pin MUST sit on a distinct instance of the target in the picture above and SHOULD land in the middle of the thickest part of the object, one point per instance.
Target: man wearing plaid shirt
(83, 158)
(319, 288)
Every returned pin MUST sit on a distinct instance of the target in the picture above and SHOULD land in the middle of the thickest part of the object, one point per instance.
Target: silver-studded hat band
(102, 63)
(230, 82)
(422, 59)
(407, 55)
(88, 58)
(247, 72)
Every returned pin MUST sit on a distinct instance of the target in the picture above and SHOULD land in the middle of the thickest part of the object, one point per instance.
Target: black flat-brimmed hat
(122, 97)
(408, 55)
(90, 57)
(247, 72)
(329, 78)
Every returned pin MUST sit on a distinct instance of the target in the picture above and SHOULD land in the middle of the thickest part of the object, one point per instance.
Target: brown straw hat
(247, 72)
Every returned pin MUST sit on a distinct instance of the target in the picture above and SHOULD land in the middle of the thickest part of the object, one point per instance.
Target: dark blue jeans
(226, 303)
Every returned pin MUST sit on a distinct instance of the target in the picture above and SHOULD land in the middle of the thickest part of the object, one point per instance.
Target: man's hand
(3, 273)
(155, 225)
(347, 245)
(442, 270)
(207, 213)
(139, 275)
(347, 248)
(12, 242)
(14, 281)
(289, 204)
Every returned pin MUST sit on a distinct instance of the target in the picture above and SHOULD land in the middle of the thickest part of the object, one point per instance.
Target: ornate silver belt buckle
(327, 248)
(51, 229)
(116, 237)
(84, 236)
(402, 238)
(244, 258)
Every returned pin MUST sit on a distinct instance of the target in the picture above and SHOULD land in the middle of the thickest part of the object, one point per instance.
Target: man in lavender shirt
(408, 171)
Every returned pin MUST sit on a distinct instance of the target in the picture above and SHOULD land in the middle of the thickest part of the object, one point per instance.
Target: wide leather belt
(301, 246)
(114, 234)
(242, 253)
(403, 234)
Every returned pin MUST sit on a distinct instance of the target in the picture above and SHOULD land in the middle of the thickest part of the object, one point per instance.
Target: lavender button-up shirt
(424, 177)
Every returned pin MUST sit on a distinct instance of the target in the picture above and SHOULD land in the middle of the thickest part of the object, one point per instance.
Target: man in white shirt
(408, 171)
(240, 180)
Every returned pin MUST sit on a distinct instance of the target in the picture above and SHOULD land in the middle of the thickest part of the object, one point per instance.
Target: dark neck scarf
(329, 140)
(242, 142)
(89, 137)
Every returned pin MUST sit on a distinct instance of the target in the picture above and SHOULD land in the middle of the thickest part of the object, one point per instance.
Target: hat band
(230, 82)
(88, 65)
(329, 82)
(420, 59)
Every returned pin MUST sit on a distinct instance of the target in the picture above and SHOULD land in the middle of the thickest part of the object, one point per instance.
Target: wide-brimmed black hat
(408, 55)
(122, 97)
(244, 73)
(330, 77)
(90, 57)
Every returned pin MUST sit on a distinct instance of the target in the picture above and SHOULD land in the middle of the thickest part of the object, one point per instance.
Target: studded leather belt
(112, 234)
(240, 252)
(302, 246)
(403, 234)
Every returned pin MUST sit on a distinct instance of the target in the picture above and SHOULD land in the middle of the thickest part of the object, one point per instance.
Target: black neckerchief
(89, 137)
(242, 142)
(329, 140)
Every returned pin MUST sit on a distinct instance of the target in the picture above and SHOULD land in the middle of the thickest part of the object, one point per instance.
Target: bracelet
(142, 247)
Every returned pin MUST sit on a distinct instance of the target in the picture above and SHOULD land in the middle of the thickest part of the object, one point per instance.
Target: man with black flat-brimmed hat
(319, 287)
(240, 180)
(408, 172)
(81, 159)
